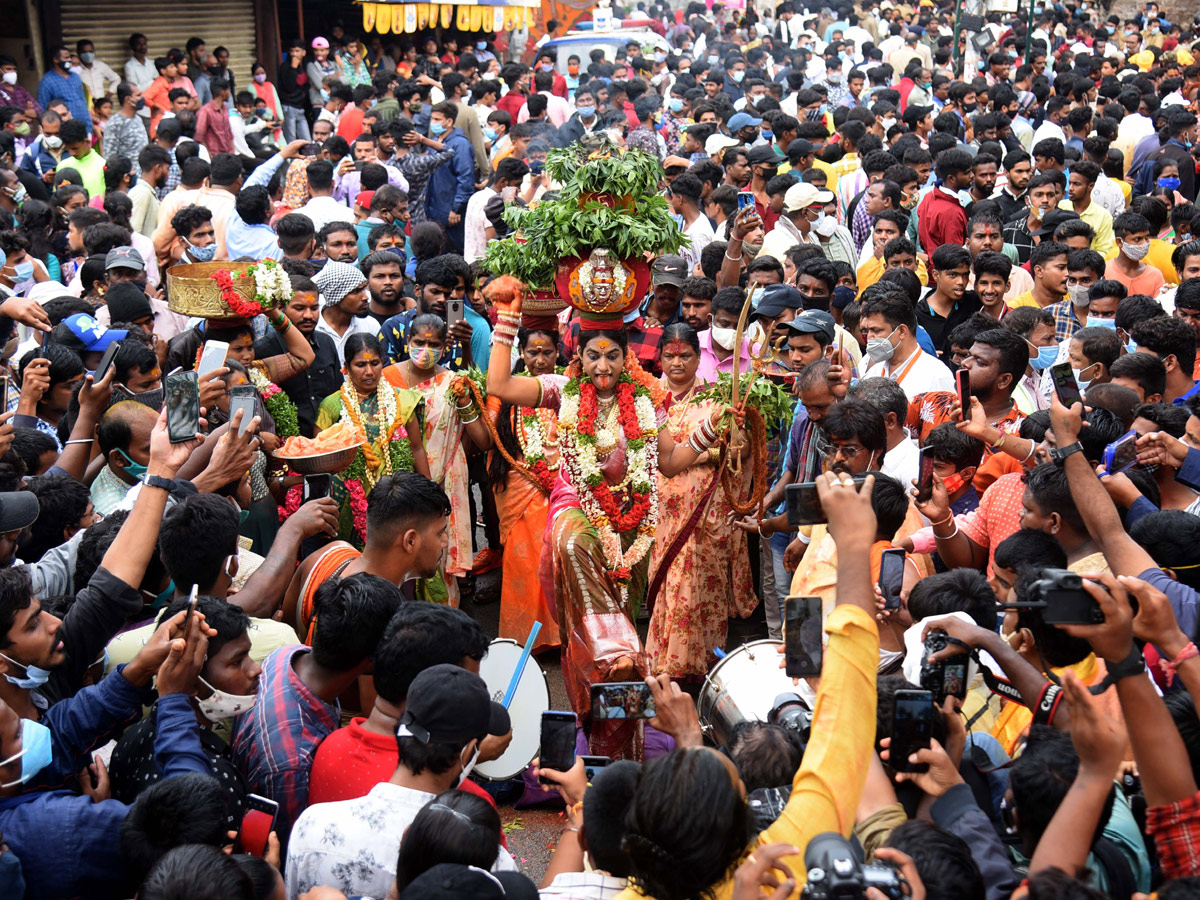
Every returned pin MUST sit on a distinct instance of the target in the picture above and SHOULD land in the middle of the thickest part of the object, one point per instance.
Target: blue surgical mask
(1045, 358)
(676, 104)
(481, 45)
(489, 133)
(713, 59)
(34, 678)
(1083, 383)
(586, 112)
(137, 470)
(436, 128)
(1169, 182)
(737, 76)
(202, 254)
(37, 751)
(24, 271)
(1102, 322)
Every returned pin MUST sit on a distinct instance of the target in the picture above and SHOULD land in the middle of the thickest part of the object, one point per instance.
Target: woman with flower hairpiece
(447, 418)
(707, 578)
(386, 417)
(523, 497)
(603, 515)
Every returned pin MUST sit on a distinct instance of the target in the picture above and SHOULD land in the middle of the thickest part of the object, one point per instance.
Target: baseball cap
(124, 258)
(916, 113)
(668, 269)
(1052, 219)
(447, 704)
(742, 120)
(18, 509)
(92, 334)
(319, 43)
(762, 155)
(718, 142)
(127, 303)
(803, 195)
(799, 148)
(452, 881)
(813, 321)
(776, 298)
(364, 199)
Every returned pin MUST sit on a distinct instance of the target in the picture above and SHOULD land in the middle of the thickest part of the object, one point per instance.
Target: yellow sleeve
(827, 787)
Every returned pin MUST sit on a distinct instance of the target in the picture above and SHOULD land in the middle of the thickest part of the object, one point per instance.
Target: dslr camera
(790, 712)
(1063, 601)
(947, 678)
(836, 873)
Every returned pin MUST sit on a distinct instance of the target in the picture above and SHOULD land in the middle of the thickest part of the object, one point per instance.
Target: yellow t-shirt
(872, 270)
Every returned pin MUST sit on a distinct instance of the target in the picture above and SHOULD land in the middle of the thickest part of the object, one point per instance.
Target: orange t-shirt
(1149, 282)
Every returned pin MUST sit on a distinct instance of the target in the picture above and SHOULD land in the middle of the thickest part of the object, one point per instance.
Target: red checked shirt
(1175, 828)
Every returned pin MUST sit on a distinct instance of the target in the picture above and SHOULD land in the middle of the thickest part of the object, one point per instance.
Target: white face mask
(10, 77)
(880, 349)
(468, 765)
(222, 705)
(723, 337)
(1078, 294)
(1136, 252)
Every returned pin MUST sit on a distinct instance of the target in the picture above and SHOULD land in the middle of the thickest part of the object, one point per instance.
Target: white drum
(743, 687)
(530, 700)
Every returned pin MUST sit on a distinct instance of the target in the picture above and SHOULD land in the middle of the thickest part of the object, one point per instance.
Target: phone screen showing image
(622, 700)
(183, 406)
(1065, 384)
(802, 637)
(925, 477)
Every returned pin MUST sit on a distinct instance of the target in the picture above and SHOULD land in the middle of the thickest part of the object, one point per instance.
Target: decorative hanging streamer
(383, 22)
(368, 11)
(498, 19)
(422, 16)
(397, 20)
(463, 19)
(447, 15)
(410, 19)
(477, 18)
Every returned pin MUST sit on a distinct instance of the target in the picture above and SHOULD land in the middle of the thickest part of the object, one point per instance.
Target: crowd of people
(926, 245)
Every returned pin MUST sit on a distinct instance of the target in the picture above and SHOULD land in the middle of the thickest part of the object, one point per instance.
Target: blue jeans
(295, 126)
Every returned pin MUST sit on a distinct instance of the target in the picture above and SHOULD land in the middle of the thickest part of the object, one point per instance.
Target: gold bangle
(945, 521)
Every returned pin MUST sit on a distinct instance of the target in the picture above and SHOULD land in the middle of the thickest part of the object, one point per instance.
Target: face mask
(660, 57)
(324, 96)
(1078, 294)
(436, 128)
(713, 59)
(1102, 322)
(87, 58)
(1045, 358)
(723, 337)
(414, 107)
(24, 270)
(423, 358)
(833, 76)
(489, 133)
(954, 483)
(1038, 212)
(676, 104)
(34, 677)
(261, 77)
(737, 76)
(1111, 29)
(825, 225)
(213, 70)
(887, 124)
(137, 470)
(22, 129)
(1083, 383)
(508, 194)
(37, 751)
(152, 399)
(586, 112)
(468, 766)
(880, 349)
(1136, 252)
(201, 254)
(1170, 182)
(970, 107)
(10, 77)
(767, 135)
(222, 705)
(481, 45)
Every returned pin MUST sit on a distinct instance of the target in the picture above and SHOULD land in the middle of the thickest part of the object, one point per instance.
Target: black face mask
(213, 70)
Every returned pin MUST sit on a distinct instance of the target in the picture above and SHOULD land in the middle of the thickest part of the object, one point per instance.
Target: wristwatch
(1060, 454)
(157, 481)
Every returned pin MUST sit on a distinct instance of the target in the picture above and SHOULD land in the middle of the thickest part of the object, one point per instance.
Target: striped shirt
(274, 743)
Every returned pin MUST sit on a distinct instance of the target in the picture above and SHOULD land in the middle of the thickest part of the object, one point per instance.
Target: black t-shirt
(314, 384)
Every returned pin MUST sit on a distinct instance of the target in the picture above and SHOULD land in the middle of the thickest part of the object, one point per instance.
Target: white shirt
(699, 235)
(323, 210)
(902, 462)
(1048, 130)
(364, 324)
(916, 376)
(352, 845)
(475, 225)
(141, 75)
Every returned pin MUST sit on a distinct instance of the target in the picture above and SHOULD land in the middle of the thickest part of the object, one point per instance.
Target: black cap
(668, 269)
(762, 155)
(447, 705)
(1052, 219)
(814, 321)
(452, 881)
(778, 297)
(127, 303)
(18, 509)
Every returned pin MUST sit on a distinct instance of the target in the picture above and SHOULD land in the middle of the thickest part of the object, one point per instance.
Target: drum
(531, 699)
(743, 687)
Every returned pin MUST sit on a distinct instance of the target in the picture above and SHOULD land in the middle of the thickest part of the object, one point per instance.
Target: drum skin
(532, 698)
(743, 686)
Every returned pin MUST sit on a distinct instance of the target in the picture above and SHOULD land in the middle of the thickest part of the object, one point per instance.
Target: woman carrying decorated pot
(706, 578)
(386, 417)
(603, 515)
(448, 415)
(529, 436)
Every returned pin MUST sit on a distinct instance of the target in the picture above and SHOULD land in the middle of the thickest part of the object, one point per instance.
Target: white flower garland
(272, 286)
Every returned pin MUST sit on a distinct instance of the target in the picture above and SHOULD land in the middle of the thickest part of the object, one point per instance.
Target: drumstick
(520, 669)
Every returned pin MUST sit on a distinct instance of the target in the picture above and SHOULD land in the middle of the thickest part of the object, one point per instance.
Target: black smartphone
(593, 764)
(891, 577)
(804, 504)
(1065, 384)
(962, 384)
(315, 487)
(247, 404)
(257, 824)
(4, 383)
(802, 637)
(912, 729)
(1121, 454)
(312, 148)
(106, 360)
(183, 406)
(925, 477)
(187, 619)
(622, 700)
(537, 167)
(454, 312)
(558, 741)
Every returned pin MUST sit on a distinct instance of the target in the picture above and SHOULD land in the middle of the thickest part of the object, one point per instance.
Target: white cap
(803, 195)
(718, 142)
